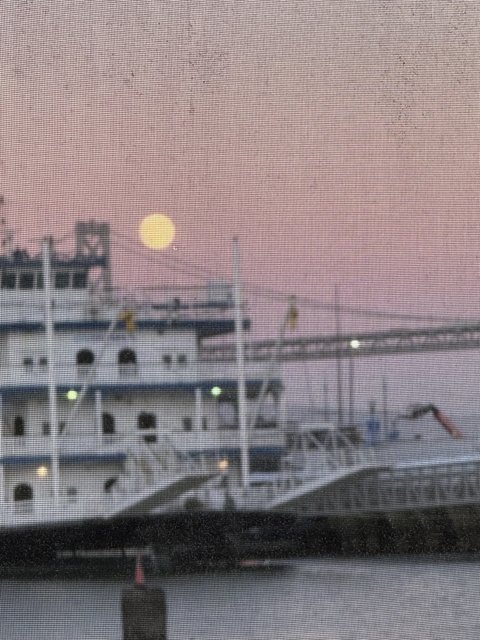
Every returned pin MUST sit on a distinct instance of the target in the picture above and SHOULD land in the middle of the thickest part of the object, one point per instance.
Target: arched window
(85, 357)
(22, 492)
(127, 362)
(182, 359)
(127, 356)
(108, 424)
(147, 421)
(18, 426)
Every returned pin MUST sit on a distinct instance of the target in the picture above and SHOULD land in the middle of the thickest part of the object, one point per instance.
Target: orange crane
(419, 410)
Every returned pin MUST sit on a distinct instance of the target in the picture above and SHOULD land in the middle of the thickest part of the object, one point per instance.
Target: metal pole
(242, 403)
(98, 413)
(92, 371)
(2, 474)
(52, 389)
(385, 407)
(338, 329)
(351, 399)
(270, 369)
(198, 409)
(282, 410)
(326, 411)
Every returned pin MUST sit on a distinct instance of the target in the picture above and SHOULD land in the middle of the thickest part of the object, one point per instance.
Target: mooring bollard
(144, 610)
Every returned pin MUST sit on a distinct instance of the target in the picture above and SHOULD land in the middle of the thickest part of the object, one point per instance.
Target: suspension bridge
(326, 347)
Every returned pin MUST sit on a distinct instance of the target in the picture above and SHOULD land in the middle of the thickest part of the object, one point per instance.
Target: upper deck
(88, 308)
(83, 298)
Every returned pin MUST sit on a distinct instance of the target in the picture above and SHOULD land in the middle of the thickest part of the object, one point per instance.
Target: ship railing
(112, 372)
(67, 444)
(181, 460)
(83, 305)
(313, 452)
(46, 509)
(168, 452)
(151, 461)
(172, 304)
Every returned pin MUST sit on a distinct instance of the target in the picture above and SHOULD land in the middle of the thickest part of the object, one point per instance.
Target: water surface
(367, 599)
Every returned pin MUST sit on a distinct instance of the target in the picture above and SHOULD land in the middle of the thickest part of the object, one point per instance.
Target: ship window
(22, 492)
(85, 357)
(167, 360)
(9, 279)
(147, 421)
(79, 280)
(42, 361)
(204, 423)
(26, 280)
(187, 424)
(264, 464)
(127, 356)
(62, 280)
(28, 363)
(18, 426)
(45, 428)
(71, 493)
(108, 424)
(182, 359)
(40, 280)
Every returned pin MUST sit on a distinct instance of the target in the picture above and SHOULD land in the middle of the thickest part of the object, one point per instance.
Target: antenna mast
(6, 235)
(92, 239)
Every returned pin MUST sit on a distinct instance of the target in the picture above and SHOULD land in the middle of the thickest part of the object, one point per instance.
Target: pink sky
(338, 140)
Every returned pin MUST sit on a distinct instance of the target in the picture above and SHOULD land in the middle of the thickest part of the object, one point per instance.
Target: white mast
(2, 473)
(52, 389)
(242, 404)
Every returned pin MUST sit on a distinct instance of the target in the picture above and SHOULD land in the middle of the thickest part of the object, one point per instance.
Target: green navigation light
(215, 391)
(72, 394)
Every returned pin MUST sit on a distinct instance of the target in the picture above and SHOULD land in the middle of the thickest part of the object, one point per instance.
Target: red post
(139, 574)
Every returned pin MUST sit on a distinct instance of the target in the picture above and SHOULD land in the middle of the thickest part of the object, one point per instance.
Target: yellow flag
(128, 317)
(292, 314)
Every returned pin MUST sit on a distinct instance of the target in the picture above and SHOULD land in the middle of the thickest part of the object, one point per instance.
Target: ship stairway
(311, 468)
(155, 475)
(297, 493)
(409, 486)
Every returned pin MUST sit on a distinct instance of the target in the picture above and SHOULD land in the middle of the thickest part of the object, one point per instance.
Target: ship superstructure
(140, 419)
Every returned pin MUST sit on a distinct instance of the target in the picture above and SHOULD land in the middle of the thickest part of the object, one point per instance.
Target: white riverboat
(110, 414)
(107, 409)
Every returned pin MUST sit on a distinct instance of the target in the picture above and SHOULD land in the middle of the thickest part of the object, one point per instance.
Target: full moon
(156, 231)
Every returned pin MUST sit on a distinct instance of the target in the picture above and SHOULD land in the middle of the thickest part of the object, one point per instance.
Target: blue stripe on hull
(73, 458)
(203, 328)
(205, 385)
(232, 453)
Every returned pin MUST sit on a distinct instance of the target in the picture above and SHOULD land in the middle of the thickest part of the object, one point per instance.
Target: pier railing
(398, 476)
